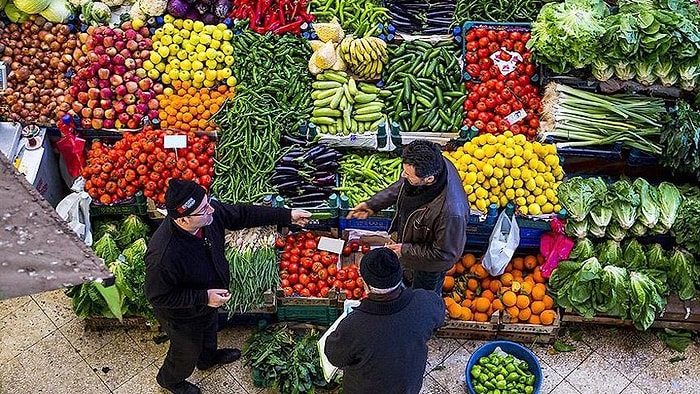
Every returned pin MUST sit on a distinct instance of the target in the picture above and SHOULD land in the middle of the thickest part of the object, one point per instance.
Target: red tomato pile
(140, 162)
(495, 99)
(309, 272)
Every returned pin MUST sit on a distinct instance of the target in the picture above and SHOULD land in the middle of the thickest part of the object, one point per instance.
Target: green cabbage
(106, 248)
(613, 292)
(683, 273)
(577, 196)
(32, 6)
(646, 300)
(58, 11)
(131, 229)
(633, 256)
(648, 210)
(669, 203)
(582, 250)
(609, 252)
(576, 229)
(656, 257)
(14, 14)
(624, 203)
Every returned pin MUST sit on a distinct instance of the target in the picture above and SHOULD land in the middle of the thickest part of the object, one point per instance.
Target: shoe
(222, 356)
(181, 388)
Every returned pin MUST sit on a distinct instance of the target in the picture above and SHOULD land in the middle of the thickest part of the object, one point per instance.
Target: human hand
(396, 248)
(361, 211)
(217, 297)
(300, 217)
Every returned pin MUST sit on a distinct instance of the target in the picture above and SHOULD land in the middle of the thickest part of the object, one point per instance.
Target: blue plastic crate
(638, 158)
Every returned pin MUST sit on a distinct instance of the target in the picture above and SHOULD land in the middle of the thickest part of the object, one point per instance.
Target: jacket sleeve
(441, 254)
(338, 348)
(237, 217)
(163, 291)
(385, 198)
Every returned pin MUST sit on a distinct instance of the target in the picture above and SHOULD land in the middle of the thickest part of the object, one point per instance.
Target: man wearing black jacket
(187, 276)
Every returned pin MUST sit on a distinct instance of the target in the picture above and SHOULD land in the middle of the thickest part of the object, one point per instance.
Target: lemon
(481, 205)
(497, 173)
(541, 167)
(217, 35)
(472, 168)
(525, 174)
(519, 139)
(487, 170)
(530, 199)
(520, 201)
(468, 147)
(211, 53)
(181, 54)
(194, 38)
(167, 18)
(137, 23)
(160, 67)
(471, 197)
(508, 182)
(490, 150)
(558, 173)
(209, 84)
(174, 74)
(551, 160)
(550, 148)
(530, 184)
(534, 209)
(493, 182)
(187, 24)
(153, 73)
(221, 26)
(547, 208)
(527, 154)
(550, 194)
(197, 65)
(510, 143)
(517, 161)
(541, 200)
(163, 51)
(470, 178)
(515, 173)
(510, 194)
(198, 76)
(211, 75)
(518, 183)
(469, 189)
(173, 49)
(503, 201)
(539, 180)
(500, 161)
(509, 152)
(209, 28)
(198, 26)
(186, 65)
(481, 192)
(519, 192)
(494, 199)
(491, 139)
(479, 153)
(557, 207)
(480, 178)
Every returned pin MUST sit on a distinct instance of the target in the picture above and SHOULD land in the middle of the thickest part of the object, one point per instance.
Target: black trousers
(190, 342)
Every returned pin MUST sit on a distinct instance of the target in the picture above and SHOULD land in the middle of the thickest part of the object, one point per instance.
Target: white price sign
(515, 117)
(175, 141)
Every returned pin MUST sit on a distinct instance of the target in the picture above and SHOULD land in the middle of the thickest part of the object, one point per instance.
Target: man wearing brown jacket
(431, 214)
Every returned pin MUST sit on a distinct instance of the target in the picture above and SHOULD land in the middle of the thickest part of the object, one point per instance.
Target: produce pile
(139, 161)
(308, 272)
(187, 50)
(363, 176)
(110, 87)
(502, 371)
(184, 107)
(485, 10)
(209, 12)
(421, 17)
(520, 293)
(38, 54)
(306, 176)
(358, 17)
(276, 16)
(686, 227)
(618, 210)
(502, 95)
(426, 88)
(680, 139)
(505, 168)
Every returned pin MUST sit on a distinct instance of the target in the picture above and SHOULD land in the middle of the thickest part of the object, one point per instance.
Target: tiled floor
(45, 349)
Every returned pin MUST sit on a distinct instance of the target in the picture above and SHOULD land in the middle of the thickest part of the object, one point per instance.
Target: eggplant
(326, 157)
(324, 180)
(279, 179)
(283, 169)
(290, 160)
(293, 140)
(313, 152)
(288, 185)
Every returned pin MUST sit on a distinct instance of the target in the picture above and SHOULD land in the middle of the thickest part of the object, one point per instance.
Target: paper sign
(506, 66)
(331, 245)
(175, 141)
(516, 117)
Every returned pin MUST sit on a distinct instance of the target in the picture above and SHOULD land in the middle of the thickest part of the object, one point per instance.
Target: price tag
(175, 141)
(515, 117)
(506, 66)
(331, 245)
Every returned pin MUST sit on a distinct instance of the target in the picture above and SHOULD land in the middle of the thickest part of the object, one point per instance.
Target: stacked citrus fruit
(520, 293)
(187, 108)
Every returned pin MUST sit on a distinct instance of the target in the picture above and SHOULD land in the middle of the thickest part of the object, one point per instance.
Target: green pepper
(512, 377)
(489, 385)
(475, 375)
(510, 368)
(483, 377)
(493, 368)
(524, 366)
(509, 358)
(529, 390)
(491, 375)
(500, 377)
(503, 371)
(522, 379)
(483, 361)
(530, 380)
(476, 368)
(479, 389)
(497, 391)
(501, 384)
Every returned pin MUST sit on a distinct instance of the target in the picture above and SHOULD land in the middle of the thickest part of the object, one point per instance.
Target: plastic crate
(136, 205)
(508, 26)
(638, 158)
(381, 221)
(316, 310)
(328, 210)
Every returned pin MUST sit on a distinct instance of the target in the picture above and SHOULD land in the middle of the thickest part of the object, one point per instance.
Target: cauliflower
(136, 13)
(153, 7)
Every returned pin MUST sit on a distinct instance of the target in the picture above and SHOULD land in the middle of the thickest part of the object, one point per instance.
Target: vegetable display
(358, 17)
(38, 53)
(511, 11)
(187, 50)
(502, 95)
(343, 106)
(424, 80)
(308, 272)
(253, 264)
(680, 138)
(275, 16)
(363, 176)
(576, 118)
(421, 17)
(520, 293)
(140, 162)
(208, 11)
(364, 56)
(504, 168)
(306, 176)
(501, 372)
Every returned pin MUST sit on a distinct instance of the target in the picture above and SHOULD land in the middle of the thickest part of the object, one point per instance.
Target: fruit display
(427, 92)
(188, 50)
(184, 107)
(502, 95)
(520, 293)
(343, 106)
(38, 54)
(110, 88)
(508, 168)
(139, 161)
(364, 56)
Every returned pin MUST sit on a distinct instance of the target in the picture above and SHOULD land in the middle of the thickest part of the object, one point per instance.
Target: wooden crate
(683, 315)
(461, 329)
(528, 333)
(98, 323)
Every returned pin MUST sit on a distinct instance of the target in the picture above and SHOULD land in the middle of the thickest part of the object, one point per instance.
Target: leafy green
(576, 229)
(656, 257)
(564, 271)
(680, 137)
(583, 249)
(100, 227)
(646, 300)
(686, 228)
(625, 201)
(577, 196)
(106, 248)
(669, 205)
(567, 35)
(675, 339)
(579, 291)
(600, 214)
(613, 292)
(648, 211)
(131, 229)
(616, 232)
(683, 273)
(563, 347)
(609, 252)
(633, 256)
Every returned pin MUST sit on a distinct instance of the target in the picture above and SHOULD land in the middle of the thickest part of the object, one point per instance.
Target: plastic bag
(554, 247)
(505, 238)
(75, 209)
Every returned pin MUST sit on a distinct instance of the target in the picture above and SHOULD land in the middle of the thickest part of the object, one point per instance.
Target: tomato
(294, 265)
(518, 47)
(347, 250)
(353, 275)
(298, 288)
(332, 270)
(342, 274)
(484, 117)
(480, 32)
(288, 291)
(205, 180)
(322, 274)
(317, 266)
(502, 35)
(360, 282)
(326, 260)
(293, 278)
(471, 58)
(472, 46)
(324, 291)
(365, 248)
(357, 292)
(304, 279)
(473, 70)
(348, 294)
(280, 243)
(492, 127)
(310, 244)
(338, 284)
(284, 264)
(306, 262)
(534, 123)
(483, 53)
(479, 124)
(515, 35)
(494, 47)
(312, 287)
(285, 283)
(349, 284)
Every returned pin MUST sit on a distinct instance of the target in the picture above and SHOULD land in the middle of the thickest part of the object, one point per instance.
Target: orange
(509, 267)
(472, 284)
(525, 288)
(481, 317)
(468, 260)
(524, 314)
(537, 275)
(507, 279)
(538, 292)
(530, 262)
(456, 297)
(537, 307)
(451, 271)
(459, 268)
(513, 312)
(517, 274)
(485, 283)
(534, 319)
(466, 314)
(548, 302)
(479, 271)
(448, 283)
(495, 286)
(509, 298)
(488, 295)
(523, 301)
(530, 280)
(497, 305)
(449, 301)
(518, 263)
(466, 303)
(482, 304)
(454, 310)
(469, 295)
(547, 317)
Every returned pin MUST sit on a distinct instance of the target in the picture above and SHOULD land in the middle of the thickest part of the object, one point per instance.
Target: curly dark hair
(424, 156)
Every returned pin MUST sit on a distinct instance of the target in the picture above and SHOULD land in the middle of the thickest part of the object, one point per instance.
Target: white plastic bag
(505, 238)
(75, 209)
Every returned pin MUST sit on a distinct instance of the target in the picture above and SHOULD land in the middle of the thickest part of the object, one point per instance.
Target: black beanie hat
(183, 197)
(380, 268)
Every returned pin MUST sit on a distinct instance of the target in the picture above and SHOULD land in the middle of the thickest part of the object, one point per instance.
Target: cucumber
(322, 120)
(369, 109)
(321, 94)
(324, 102)
(326, 84)
(321, 112)
(367, 88)
(335, 101)
(368, 117)
(335, 76)
(364, 98)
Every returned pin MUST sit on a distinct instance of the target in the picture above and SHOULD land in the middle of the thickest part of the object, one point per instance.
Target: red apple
(86, 112)
(108, 123)
(93, 103)
(145, 83)
(123, 117)
(98, 113)
(119, 106)
(129, 34)
(106, 93)
(118, 59)
(120, 90)
(109, 43)
(129, 63)
(96, 123)
(141, 108)
(110, 114)
(119, 69)
(83, 97)
(93, 93)
(153, 114)
(120, 45)
(93, 83)
(141, 73)
(132, 86)
(153, 104)
(116, 80)
(105, 60)
(76, 107)
(158, 88)
(103, 83)
(105, 104)
(103, 73)
(132, 45)
(131, 109)
(132, 124)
